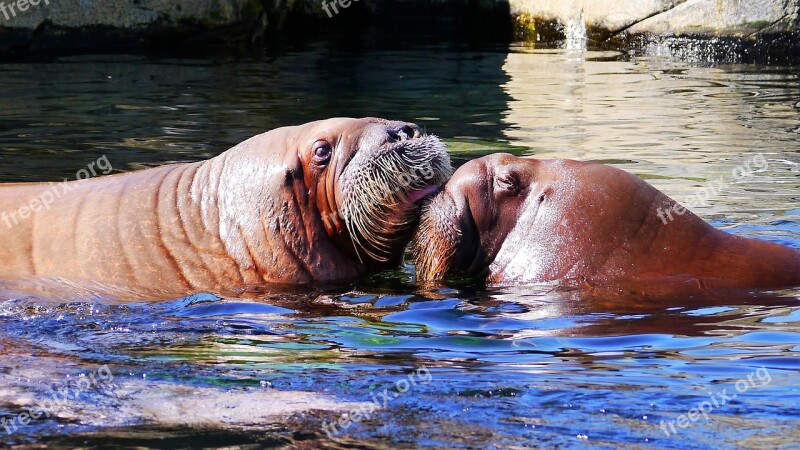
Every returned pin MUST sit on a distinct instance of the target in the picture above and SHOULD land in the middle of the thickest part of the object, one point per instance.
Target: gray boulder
(122, 13)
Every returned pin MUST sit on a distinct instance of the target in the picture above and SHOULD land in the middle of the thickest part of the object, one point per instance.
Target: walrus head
(368, 177)
(506, 219)
(510, 220)
(466, 225)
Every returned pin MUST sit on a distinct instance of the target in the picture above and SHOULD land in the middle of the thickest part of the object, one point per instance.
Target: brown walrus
(510, 220)
(319, 202)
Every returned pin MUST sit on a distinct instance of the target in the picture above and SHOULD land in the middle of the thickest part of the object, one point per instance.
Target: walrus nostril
(404, 132)
(409, 131)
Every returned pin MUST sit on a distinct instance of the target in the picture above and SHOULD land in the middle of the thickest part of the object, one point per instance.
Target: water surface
(485, 368)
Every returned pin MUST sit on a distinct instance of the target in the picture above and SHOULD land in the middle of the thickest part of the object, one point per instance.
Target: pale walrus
(319, 202)
(510, 220)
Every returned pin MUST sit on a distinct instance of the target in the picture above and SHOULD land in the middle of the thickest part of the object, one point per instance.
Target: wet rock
(609, 15)
(123, 13)
(708, 31)
(667, 17)
(193, 24)
(43, 25)
(170, 404)
(75, 24)
(43, 389)
(722, 18)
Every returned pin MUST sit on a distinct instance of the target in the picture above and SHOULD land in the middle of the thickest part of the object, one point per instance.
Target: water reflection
(142, 112)
(681, 127)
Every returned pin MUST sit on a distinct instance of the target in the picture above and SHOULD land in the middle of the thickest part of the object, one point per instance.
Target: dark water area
(454, 366)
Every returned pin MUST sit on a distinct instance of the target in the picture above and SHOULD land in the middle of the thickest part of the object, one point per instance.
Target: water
(457, 366)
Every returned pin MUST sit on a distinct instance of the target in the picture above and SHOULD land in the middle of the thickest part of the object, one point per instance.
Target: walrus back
(16, 227)
(84, 230)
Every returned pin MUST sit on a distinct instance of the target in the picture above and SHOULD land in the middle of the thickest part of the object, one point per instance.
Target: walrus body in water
(510, 220)
(320, 202)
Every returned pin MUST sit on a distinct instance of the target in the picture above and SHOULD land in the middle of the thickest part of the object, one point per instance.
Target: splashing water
(575, 32)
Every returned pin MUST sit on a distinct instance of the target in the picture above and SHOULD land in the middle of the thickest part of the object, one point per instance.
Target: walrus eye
(506, 184)
(322, 152)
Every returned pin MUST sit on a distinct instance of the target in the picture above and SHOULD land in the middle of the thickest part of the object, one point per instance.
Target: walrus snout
(381, 187)
(448, 236)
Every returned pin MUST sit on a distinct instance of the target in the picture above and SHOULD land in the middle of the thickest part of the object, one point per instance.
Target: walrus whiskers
(375, 207)
(436, 241)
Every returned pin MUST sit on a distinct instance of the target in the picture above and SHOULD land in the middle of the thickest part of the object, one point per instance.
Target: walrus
(508, 220)
(321, 202)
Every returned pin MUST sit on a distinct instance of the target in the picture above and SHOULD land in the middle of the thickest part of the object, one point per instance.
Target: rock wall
(667, 17)
(74, 24)
(122, 13)
(30, 25)
(27, 25)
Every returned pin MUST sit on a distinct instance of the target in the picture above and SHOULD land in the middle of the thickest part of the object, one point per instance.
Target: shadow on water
(533, 366)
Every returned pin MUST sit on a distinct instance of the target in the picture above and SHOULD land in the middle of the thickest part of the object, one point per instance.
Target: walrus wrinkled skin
(509, 220)
(319, 202)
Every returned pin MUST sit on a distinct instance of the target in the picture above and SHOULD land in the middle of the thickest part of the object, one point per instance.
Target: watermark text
(381, 400)
(9, 10)
(760, 378)
(44, 201)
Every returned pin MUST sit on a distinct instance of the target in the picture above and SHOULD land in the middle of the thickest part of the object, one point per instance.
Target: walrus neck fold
(269, 223)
